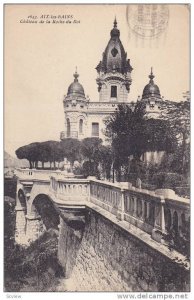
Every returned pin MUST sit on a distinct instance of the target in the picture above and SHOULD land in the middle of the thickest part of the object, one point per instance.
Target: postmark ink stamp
(147, 21)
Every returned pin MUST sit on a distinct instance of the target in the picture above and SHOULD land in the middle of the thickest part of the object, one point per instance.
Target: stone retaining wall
(103, 257)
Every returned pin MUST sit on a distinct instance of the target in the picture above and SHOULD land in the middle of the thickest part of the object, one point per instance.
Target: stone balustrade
(157, 213)
(69, 189)
(20, 173)
(107, 196)
(141, 208)
(35, 174)
(177, 215)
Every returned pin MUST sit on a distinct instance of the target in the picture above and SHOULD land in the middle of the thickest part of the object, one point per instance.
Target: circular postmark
(147, 20)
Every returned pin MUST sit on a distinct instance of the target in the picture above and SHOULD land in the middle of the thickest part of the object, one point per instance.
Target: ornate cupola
(151, 97)
(76, 89)
(151, 89)
(114, 70)
(75, 107)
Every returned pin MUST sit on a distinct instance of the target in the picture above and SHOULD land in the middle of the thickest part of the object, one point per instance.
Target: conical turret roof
(114, 58)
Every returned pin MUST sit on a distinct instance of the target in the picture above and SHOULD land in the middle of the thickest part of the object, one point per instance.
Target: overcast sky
(40, 60)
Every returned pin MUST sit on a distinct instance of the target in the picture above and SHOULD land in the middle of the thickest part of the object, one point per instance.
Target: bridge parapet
(69, 189)
(108, 196)
(156, 212)
(34, 174)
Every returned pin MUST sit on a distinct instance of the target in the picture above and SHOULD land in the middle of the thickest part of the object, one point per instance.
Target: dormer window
(113, 91)
(114, 52)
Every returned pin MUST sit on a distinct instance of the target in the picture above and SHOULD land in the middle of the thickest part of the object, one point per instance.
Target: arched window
(68, 128)
(95, 129)
(113, 91)
(80, 126)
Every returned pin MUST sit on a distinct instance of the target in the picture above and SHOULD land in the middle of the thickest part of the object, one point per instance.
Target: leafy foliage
(131, 134)
(49, 151)
(26, 267)
(90, 155)
(181, 243)
(71, 149)
(178, 116)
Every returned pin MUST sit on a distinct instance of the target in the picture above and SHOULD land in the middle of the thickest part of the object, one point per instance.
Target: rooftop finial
(76, 75)
(151, 76)
(115, 32)
(115, 23)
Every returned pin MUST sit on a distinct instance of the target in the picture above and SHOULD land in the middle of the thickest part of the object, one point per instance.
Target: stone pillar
(34, 227)
(89, 188)
(122, 204)
(135, 207)
(159, 222)
(162, 220)
(143, 210)
(148, 210)
(180, 224)
(20, 229)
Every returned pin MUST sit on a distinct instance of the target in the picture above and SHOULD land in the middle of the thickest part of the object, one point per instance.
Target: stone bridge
(111, 236)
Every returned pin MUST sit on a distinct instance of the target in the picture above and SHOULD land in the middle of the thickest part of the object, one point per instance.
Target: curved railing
(156, 213)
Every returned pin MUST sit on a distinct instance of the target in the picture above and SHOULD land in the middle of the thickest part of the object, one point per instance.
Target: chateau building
(85, 118)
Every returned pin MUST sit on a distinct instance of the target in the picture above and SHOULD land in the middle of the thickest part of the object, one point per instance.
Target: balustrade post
(122, 204)
(163, 225)
(159, 221)
(180, 225)
(135, 207)
(148, 210)
(89, 190)
(57, 187)
(143, 210)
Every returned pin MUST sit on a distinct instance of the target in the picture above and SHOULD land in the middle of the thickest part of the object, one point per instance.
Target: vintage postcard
(97, 149)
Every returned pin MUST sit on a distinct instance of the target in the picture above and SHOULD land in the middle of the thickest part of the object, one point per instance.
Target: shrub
(167, 180)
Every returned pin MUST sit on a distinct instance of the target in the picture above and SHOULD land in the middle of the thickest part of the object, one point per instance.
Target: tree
(30, 152)
(125, 129)
(131, 134)
(90, 151)
(178, 116)
(48, 151)
(21, 153)
(159, 136)
(70, 148)
(106, 160)
(44, 154)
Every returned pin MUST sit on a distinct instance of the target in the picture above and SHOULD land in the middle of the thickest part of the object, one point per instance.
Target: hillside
(11, 162)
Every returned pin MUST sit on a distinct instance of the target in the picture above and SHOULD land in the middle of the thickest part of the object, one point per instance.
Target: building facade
(85, 118)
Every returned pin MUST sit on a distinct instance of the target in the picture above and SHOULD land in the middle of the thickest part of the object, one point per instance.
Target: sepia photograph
(97, 148)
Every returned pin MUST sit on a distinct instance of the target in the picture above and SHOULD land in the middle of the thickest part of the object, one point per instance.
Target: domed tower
(151, 97)
(114, 71)
(75, 106)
